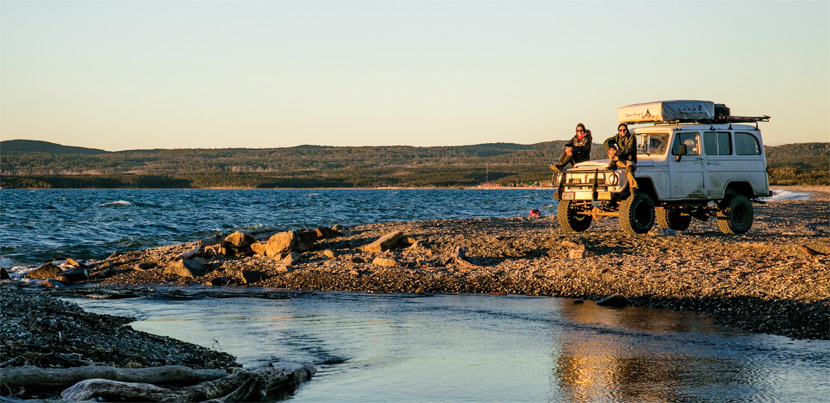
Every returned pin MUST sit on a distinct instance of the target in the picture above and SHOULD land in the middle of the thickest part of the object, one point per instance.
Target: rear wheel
(673, 219)
(637, 214)
(735, 215)
(569, 220)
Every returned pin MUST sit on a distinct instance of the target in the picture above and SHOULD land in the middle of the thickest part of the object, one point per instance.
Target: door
(687, 175)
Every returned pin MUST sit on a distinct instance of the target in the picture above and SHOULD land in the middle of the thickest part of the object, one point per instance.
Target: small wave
(117, 203)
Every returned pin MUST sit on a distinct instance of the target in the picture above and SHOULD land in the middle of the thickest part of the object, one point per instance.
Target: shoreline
(761, 281)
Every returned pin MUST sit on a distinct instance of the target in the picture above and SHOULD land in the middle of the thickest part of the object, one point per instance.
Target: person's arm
(628, 148)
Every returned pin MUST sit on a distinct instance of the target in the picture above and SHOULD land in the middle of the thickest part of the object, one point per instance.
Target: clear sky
(123, 75)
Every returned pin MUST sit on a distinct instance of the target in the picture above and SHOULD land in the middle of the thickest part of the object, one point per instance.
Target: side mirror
(681, 151)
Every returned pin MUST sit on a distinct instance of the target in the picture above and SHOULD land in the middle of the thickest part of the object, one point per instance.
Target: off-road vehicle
(694, 160)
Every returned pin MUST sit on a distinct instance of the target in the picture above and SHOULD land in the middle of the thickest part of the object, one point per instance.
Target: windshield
(652, 143)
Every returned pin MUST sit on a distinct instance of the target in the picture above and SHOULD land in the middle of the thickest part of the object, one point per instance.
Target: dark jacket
(581, 149)
(626, 146)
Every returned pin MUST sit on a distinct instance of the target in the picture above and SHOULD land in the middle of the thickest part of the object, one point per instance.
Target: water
(38, 225)
(401, 347)
(491, 348)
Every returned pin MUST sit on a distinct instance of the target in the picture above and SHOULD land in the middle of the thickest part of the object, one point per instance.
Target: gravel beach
(763, 281)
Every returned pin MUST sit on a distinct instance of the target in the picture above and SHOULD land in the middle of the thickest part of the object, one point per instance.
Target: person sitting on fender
(622, 151)
(577, 150)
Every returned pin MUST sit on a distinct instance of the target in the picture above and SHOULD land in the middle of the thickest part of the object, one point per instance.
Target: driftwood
(241, 385)
(30, 375)
(196, 251)
(459, 259)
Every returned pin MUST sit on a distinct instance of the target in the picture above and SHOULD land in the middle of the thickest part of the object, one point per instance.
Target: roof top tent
(681, 111)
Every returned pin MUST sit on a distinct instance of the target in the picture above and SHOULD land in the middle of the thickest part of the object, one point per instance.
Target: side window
(717, 143)
(690, 139)
(746, 144)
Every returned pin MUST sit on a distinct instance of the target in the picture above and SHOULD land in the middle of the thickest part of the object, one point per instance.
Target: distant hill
(27, 163)
(35, 146)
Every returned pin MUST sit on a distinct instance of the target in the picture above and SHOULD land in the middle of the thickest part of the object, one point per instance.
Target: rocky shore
(773, 279)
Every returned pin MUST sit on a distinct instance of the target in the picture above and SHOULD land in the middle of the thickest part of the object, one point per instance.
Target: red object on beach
(535, 213)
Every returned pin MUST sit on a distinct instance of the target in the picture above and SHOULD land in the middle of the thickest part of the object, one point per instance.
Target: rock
(571, 244)
(578, 301)
(386, 242)
(190, 254)
(289, 258)
(145, 266)
(114, 255)
(578, 254)
(328, 253)
(219, 281)
(338, 227)
(73, 262)
(43, 272)
(284, 269)
(72, 276)
(53, 283)
(613, 300)
(659, 231)
(185, 268)
(357, 259)
(216, 251)
(258, 248)
(4, 275)
(385, 262)
(323, 233)
(252, 276)
(290, 241)
(238, 240)
(210, 241)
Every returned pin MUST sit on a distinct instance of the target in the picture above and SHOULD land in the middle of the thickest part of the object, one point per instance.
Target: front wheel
(569, 219)
(637, 214)
(735, 215)
(672, 219)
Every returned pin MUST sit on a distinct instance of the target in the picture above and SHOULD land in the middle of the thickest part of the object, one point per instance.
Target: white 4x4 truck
(694, 160)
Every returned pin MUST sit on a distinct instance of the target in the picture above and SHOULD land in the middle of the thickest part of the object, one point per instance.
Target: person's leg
(564, 159)
(630, 167)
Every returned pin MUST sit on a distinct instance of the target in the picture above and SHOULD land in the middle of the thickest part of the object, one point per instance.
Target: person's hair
(622, 125)
(582, 126)
(587, 132)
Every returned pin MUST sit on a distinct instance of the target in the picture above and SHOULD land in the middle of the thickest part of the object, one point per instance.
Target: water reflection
(492, 348)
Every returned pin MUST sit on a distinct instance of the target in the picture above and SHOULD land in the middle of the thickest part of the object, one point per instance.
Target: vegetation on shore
(35, 164)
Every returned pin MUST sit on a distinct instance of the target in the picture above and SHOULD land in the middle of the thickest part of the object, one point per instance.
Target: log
(30, 375)
(459, 259)
(190, 254)
(239, 386)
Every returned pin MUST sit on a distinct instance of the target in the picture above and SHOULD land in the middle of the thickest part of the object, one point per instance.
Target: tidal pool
(370, 347)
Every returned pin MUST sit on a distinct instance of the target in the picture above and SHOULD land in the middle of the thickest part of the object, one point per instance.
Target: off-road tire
(735, 215)
(673, 219)
(568, 218)
(637, 214)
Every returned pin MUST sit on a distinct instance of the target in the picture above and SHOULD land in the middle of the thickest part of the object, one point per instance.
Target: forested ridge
(37, 164)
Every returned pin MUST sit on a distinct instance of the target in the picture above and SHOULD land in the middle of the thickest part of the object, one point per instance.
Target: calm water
(491, 348)
(38, 225)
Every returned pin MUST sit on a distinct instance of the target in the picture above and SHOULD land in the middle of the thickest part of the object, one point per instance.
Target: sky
(120, 75)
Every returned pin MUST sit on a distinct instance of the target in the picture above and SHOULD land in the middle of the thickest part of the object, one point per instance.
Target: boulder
(613, 300)
(43, 272)
(338, 227)
(386, 242)
(4, 275)
(252, 276)
(258, 248)
(72, 276)
(238, 240)
(73, 262)
(328, 253)
(290, 241)
(385, 262)
(219, 281)
(289, 258)
(323, 233)
(187, 268)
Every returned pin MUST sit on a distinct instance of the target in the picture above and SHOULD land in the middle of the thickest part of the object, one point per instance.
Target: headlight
(612, 179)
